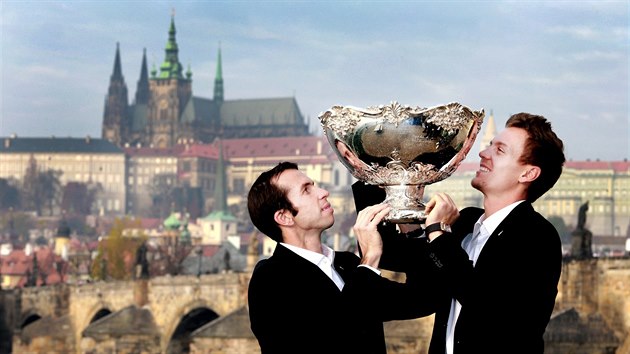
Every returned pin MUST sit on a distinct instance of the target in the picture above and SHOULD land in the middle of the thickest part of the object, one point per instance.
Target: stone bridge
(178, 304)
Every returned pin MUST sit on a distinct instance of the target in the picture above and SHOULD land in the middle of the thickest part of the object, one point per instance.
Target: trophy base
(406, 203)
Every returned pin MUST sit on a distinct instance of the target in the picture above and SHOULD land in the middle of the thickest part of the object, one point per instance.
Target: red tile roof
(17, 263)
(617, 166)
(201, 150)
(150, 223)
(305, 145)
(305, 149)
(210, 250)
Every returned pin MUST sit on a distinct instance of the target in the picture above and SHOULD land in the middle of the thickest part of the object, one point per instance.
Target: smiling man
(504, 302)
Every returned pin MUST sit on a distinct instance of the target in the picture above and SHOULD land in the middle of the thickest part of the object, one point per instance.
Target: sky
(565, 60)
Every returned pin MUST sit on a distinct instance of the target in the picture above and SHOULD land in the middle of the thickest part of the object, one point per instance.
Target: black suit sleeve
(386, 299)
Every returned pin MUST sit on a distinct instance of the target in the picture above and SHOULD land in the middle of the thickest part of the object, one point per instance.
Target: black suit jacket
(507, 298)
(295, 308)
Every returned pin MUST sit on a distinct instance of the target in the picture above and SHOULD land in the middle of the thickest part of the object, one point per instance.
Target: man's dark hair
(542, 148)
(266, 197)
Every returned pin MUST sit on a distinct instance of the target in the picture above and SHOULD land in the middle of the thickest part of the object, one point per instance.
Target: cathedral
(165, 113)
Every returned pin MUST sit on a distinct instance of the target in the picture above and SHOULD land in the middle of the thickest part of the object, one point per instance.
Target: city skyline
(565, 60)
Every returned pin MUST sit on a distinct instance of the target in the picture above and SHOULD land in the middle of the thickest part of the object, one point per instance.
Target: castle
(165, 113)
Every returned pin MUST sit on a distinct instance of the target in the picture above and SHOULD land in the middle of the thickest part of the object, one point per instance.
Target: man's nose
(484, 152)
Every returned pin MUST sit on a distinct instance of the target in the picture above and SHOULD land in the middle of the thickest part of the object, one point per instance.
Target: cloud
(579, 32)
(41, 72)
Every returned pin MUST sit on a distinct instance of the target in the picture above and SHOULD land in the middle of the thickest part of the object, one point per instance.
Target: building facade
(151, 171)
(87, 160)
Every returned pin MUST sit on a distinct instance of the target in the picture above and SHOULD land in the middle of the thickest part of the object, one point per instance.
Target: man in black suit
(307, 298)
(504, 293)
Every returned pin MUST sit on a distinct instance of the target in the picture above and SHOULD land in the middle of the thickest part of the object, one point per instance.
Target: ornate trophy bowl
(402, 149)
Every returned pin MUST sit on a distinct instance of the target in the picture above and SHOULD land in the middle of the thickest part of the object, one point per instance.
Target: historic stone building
(165, 112)
(84, 160)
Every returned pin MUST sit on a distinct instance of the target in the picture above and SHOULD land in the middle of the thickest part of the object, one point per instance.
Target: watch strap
(438, 226)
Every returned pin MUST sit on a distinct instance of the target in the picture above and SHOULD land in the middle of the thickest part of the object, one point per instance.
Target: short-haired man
(307, 298)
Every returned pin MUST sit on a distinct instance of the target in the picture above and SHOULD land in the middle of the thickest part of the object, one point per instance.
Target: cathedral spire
(142, 90)
(171, 67)
(117, 72)
(115, 119)
(218, 79)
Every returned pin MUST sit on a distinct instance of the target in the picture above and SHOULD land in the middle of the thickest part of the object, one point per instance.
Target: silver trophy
(402, 148)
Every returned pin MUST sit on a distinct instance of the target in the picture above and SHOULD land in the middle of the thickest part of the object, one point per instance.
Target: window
(239, 185)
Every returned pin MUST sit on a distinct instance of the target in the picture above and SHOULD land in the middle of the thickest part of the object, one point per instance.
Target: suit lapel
(513, 220)
(303, 268)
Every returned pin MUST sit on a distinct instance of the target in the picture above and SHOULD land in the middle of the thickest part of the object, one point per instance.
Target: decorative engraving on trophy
(402, 148)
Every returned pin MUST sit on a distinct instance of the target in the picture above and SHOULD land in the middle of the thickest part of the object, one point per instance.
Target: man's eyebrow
(305, 185)
(498, 142)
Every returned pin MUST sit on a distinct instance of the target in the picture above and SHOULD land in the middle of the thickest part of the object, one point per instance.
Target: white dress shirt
(473, 244)
(323, 261)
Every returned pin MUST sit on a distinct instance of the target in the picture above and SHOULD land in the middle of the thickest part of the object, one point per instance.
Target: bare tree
(50, 189)
(79, 197)
(41, 189)
(9, 194)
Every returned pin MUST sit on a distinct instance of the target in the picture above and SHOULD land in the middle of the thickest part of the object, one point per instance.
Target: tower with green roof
(171, 90)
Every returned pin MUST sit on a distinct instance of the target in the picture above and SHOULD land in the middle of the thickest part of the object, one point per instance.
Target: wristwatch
(438, 226)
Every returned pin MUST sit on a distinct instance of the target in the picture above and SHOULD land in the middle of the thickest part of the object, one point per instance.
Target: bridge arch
(96, 312)
(100, 314)
(29, 318)
(190, 317)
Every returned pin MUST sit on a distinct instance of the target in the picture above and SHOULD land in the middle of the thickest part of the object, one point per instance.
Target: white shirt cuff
(371, 268)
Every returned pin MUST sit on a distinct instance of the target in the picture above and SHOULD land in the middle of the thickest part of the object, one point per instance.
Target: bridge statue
(142, 263)
(581, 237)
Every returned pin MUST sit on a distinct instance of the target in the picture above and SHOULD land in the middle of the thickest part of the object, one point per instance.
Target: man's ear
(283, 217)
(530, 174)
